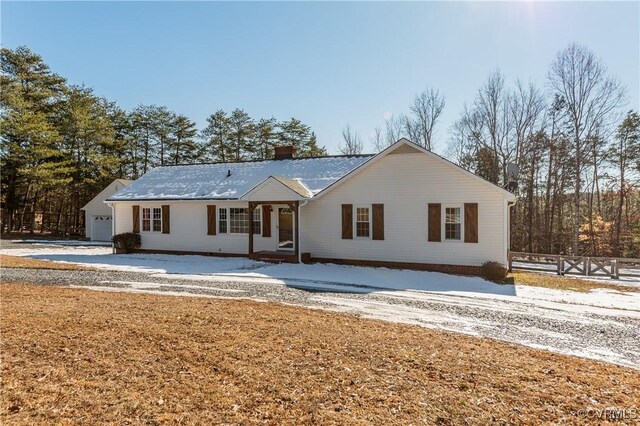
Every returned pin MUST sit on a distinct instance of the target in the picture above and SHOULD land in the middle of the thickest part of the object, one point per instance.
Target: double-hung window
(452, 223)
(238, 220)
(146, 219)
(157, 219)
(234, 220)
(362, 222)
(257, 221)
(222, 221)
(152, 219)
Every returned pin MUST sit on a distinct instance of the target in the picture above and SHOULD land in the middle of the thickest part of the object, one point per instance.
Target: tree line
(62, 143)
(576, 150)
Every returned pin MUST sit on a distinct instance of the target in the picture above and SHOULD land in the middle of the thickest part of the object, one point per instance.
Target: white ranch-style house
(403, 207)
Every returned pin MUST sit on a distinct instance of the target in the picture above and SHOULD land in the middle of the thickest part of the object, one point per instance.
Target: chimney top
(284, 152)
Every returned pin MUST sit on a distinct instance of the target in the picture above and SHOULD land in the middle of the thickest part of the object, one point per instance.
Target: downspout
(510, 204)
(300, 230)
(113, 226)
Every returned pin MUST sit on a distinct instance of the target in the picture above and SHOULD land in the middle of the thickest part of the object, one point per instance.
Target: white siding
(272, 190)
(406, 183)
(189, 228)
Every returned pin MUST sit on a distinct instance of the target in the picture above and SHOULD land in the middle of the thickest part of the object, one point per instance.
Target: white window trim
(443, 215)
(150, 208)
(219, 219)
(355, 221)
(258, 211)
(228, 221)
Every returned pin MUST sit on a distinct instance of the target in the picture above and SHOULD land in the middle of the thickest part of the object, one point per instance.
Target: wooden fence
(612, 267)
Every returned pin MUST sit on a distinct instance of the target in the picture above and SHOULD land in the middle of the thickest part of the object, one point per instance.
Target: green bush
(493, 271)
(127, 241)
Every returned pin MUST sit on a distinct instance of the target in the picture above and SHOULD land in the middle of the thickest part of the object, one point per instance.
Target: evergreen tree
(162, 123)
(182, 145)
(294, 132)
(88, 144)
(143, 142)
(216, 135)
(241, 131)
(31, 159)
(265, 137)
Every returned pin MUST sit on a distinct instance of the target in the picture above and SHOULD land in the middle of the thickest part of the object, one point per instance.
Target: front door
(285, 228)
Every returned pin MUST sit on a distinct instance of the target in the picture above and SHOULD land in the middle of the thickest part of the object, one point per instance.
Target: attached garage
(97, 214)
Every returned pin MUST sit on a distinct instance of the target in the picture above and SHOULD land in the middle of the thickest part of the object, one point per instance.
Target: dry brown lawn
(7, 261)
(563, 283)
(72, 356)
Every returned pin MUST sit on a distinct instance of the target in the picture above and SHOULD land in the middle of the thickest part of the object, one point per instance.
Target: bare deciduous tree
(394, 129)
(352, 142)
(426, 109)
(591, 98)
(377, 140)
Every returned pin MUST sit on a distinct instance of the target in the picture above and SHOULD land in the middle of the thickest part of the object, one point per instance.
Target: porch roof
(278, 188)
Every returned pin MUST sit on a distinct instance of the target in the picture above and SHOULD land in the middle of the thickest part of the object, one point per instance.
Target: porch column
(297, 236)
(252, 207)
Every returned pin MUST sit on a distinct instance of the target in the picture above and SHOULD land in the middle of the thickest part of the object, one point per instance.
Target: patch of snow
(75, 243)
(150, 285)
(207, 181)
(329, 277)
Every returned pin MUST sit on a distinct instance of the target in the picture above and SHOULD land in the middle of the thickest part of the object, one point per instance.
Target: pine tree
(216, 136)
(182, 145)
(298, 134)
(264, 138)
(241, 131)
(162, 122)
(31, 159)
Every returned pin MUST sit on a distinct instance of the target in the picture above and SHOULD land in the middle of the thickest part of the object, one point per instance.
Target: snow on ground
(76, 243)
(327, 277)
(600, 324)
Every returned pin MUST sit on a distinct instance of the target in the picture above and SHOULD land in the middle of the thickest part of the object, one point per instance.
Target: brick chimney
(284, 152)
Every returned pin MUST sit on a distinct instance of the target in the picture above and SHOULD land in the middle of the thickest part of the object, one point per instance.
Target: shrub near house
(126, 242)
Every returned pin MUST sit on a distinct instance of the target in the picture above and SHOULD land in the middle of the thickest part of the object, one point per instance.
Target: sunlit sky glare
(324, 63)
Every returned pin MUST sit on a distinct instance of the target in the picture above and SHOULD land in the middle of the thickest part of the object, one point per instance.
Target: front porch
(287, 231)
(282, 196)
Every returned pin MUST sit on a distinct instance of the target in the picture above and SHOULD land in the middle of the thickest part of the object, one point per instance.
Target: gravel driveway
(599, 333)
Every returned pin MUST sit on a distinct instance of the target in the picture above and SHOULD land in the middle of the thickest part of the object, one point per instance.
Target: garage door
(101, 228)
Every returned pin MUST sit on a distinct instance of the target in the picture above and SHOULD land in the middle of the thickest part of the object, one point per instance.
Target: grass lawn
(563, 283)
(7, 261)
(85, 357)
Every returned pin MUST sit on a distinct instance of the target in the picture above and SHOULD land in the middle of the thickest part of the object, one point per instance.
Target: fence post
(587, 266)
(560, 265)
(615, 268)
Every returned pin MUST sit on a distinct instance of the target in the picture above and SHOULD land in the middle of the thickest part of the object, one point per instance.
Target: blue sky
(324, 63)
